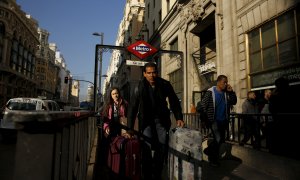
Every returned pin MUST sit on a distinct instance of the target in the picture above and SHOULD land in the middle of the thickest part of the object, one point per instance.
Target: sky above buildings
(71, 24)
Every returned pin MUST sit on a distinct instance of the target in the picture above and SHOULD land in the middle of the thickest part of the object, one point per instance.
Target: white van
(26, 104)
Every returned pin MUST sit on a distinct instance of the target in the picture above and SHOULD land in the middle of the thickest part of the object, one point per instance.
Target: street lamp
(100, 67)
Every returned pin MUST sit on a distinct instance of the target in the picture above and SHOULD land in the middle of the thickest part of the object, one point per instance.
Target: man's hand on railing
(180, 123)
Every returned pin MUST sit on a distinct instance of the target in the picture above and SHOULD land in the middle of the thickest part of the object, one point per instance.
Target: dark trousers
(252, 129)
(213, 148)
(154, 153)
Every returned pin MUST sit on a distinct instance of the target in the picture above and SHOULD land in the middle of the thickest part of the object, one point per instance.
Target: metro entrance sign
(141, 49)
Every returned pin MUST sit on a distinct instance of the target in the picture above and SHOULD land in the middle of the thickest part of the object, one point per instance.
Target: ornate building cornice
(194, 11)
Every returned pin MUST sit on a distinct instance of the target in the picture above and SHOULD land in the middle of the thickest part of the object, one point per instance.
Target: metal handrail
(234, 132)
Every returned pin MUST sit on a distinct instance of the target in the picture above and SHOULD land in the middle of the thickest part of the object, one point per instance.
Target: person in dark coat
(285, 129)
(150, 106)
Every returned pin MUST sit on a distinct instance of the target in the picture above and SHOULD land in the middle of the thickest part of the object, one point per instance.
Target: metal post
(100, 62)
(95, 78)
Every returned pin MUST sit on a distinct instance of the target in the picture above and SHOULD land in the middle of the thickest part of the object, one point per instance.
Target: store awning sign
(207, 67)
(141, 49)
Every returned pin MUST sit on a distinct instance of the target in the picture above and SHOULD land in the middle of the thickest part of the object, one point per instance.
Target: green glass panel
(286, 27)
(287, 51)
(254, 44)
(255, 62)
(268, 35)
(269, 57)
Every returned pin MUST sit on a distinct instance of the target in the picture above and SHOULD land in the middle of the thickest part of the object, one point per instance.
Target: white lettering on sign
(142, 48)
(206, 67)
(135, 63)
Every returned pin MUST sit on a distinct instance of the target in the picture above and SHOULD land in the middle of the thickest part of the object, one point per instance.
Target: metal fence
(53, 145)
(236, 129)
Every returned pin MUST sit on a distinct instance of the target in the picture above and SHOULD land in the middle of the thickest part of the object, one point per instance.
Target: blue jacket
(206, 107)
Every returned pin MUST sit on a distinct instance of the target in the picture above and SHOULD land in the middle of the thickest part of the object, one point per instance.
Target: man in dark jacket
(214, 110)
(149, 104)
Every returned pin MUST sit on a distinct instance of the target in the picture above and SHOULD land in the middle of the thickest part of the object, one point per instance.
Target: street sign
(141, 49)
(135, 63)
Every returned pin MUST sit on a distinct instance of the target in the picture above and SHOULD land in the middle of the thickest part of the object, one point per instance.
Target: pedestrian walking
(114, 109)
(149, 104)
(251, 122)
(214, 111)
(114, 113)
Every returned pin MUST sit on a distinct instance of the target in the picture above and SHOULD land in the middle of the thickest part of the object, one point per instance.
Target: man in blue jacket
(214, 110)
(149, 104)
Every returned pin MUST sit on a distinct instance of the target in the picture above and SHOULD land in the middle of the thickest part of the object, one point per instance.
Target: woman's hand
(107, 131)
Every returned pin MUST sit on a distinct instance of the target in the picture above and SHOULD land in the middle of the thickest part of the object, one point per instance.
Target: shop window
(274, 44)
(274, 50)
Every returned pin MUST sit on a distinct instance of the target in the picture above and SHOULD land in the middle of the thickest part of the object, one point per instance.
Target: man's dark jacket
(140, 104)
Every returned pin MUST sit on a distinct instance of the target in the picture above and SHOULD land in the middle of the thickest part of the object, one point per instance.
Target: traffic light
(66, 80)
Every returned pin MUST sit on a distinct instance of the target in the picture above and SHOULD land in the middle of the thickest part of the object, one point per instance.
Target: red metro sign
(141, 49)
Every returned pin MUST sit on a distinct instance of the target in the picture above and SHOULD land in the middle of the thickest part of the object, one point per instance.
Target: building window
(174, 46)
(148, 10)
(2, 32)
(176, 80)
(14, 54)
(274, 44)
(168, 6)
(20, 58)
(274, 50)
(153, 27)
(159, 17)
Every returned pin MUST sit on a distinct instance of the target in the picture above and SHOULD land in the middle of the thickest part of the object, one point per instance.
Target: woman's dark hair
(109, 100)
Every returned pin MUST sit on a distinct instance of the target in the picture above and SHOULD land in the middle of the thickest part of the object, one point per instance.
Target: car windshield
(25, 106)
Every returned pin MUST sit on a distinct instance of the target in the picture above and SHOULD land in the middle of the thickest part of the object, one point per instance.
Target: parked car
(8, 127)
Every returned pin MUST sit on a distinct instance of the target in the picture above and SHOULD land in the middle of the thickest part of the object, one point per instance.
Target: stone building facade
(18, 46)
(29, 65)
(252, 42)
(46, 69)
